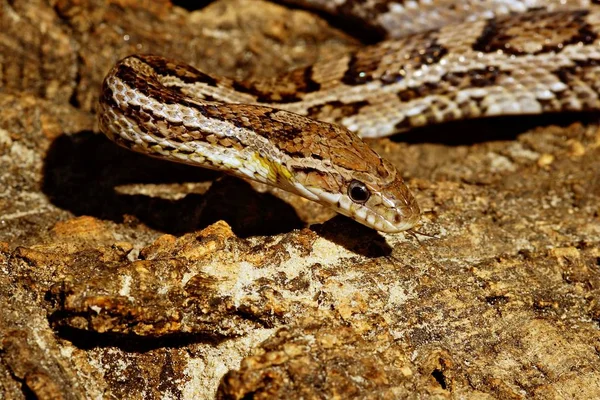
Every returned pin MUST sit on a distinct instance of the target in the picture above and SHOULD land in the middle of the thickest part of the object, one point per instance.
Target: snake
(303, 131)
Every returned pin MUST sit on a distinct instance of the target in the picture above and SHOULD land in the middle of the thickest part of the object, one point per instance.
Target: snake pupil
(358, 192)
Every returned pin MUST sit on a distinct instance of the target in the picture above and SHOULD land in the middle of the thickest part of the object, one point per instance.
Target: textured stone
(119, 278)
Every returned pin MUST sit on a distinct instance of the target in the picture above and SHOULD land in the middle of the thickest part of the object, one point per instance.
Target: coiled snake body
(300, 132)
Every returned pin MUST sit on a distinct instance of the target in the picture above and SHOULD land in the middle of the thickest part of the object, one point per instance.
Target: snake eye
(358, 192)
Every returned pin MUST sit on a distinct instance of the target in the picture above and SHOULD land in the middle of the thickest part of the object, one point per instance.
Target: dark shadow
(81, 172)
(191, 5)
(88, 340)
(466, 132)
(353, 236)
(439, 376)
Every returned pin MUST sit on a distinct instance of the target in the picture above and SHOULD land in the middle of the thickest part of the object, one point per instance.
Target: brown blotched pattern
(390, 60)
(285, 89)
(537, 32)
(148, 105)
(399, 18)
(521, 64)
(508, 65)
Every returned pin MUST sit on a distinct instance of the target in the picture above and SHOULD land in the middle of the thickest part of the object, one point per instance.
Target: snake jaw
(391, 209)
(401, 211)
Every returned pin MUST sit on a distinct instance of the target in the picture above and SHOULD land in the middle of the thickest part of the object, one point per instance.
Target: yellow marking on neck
(277, 173)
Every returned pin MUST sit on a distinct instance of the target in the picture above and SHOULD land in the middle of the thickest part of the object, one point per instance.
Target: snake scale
(301, 131)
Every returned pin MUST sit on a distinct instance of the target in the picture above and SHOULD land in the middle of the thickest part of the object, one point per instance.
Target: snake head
(343, 172)
(388, 206)
(149, 105)
(383, 203)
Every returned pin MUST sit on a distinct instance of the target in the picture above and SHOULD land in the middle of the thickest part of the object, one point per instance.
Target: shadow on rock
(88, 340)
(354, 237)
(82, 171)
(465, 132)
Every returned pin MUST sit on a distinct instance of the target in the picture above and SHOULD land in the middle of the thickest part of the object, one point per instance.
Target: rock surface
(127, 277)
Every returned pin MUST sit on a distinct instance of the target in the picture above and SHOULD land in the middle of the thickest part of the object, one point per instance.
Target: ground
(123, 276)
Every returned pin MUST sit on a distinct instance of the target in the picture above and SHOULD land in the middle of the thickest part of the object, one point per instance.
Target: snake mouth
(404, 218)
(392, 220)
(396, 209)
(390, 212)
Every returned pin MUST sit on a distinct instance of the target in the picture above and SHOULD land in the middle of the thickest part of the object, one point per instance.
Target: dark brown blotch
(188, 74)
(553, 31)
(289, 88)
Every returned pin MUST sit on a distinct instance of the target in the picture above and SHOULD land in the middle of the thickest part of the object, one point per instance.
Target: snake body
(300, 131)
